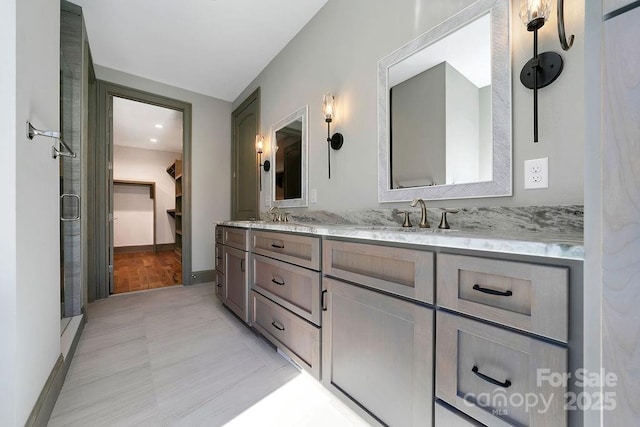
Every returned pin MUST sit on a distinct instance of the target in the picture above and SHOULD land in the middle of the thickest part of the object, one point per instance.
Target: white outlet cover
(314, 195)
(267, 199)
(536, 173)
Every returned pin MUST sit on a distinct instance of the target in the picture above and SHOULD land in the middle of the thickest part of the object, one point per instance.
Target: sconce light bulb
(532, 10)
(327, 107)
(259, 143)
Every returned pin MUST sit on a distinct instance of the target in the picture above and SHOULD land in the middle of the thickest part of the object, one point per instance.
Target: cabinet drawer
(487, 372)
(405, 272)
(219, 258)
(235, 237)
(293, 335)
(530, 297)
(447, 418)
(295, 288)
(300, 250)
(219, 234)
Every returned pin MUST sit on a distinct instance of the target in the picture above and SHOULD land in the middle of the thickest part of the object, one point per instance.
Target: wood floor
(145, 270)
(175, 356)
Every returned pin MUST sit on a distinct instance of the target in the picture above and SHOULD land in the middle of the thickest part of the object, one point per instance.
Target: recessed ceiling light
(159, 126)
(153, 140)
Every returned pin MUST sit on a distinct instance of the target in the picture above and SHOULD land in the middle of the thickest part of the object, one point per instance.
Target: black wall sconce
(267, 163)
(336, 140)
(544, 68)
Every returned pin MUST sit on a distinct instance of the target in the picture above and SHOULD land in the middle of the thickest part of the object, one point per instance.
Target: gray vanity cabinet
(285, 294)
(232, 277)
(378, 350)
(219, 262)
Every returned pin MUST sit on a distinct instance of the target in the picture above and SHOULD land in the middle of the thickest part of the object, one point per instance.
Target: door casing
(103, 231)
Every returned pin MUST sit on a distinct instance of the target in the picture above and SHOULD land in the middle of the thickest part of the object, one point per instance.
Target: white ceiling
(213, 47)
(134, 125)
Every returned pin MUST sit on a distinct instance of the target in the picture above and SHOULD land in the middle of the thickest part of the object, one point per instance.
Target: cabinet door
(236, 282)
(220, 286)
(378, 350)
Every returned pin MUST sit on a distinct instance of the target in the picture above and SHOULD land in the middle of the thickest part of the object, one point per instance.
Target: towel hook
(561, 32)
(55, 152)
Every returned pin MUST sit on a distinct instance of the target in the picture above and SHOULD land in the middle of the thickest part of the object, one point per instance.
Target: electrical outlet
(267, 199)
(536, 173)
(314, 195)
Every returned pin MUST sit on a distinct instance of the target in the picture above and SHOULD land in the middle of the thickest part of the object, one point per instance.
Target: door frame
(255, 96)
(104, 185)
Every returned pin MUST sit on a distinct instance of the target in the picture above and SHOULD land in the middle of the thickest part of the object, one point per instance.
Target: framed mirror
(289, 159)
(444, 110)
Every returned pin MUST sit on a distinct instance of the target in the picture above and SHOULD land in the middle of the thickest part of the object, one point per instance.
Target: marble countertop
(553, 245)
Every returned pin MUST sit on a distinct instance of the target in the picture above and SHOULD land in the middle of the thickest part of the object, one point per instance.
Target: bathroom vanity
(420, 327)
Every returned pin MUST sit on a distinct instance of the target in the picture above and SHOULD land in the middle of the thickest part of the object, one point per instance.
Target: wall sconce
(543, 69)
(337, 139)
(267, 163)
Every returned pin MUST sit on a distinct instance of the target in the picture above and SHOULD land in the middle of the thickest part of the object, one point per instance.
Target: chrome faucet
(275, 216)
(278, 216)
(424, 222)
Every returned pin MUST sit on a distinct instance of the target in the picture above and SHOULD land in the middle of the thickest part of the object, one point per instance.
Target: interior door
(244, 168)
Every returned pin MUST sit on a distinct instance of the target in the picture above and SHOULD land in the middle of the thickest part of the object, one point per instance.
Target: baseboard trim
(203, 276)
(143, 248)
(43, 408)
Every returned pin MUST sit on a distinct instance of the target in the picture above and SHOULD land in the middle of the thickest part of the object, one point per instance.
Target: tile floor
(176, 356)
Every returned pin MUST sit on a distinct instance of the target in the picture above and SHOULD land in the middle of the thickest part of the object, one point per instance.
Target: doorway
(128, 188)
(147, 196)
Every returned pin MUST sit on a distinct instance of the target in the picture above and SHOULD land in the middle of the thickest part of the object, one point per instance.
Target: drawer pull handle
(505, 384)
(277, 283)
(492, 291)
(277, 326)
(273, 245)
(322, 301)
(242, 265)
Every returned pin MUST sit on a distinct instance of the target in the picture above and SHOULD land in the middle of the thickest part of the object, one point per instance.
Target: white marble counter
(553, 245)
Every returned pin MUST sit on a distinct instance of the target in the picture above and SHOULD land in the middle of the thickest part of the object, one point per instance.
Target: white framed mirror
(289, 159)
(444, 110)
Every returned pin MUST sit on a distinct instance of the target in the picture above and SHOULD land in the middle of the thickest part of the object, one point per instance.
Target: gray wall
(29, 253)
(418, 129)
(463, 128)
(338, 50)
(211, 151)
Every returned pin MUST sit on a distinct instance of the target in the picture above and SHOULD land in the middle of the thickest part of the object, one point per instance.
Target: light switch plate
(536, 173)
(267, 199)
(314, 195)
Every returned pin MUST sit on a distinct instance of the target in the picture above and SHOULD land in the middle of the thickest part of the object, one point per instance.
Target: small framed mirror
(444, 110)
(290, 160)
